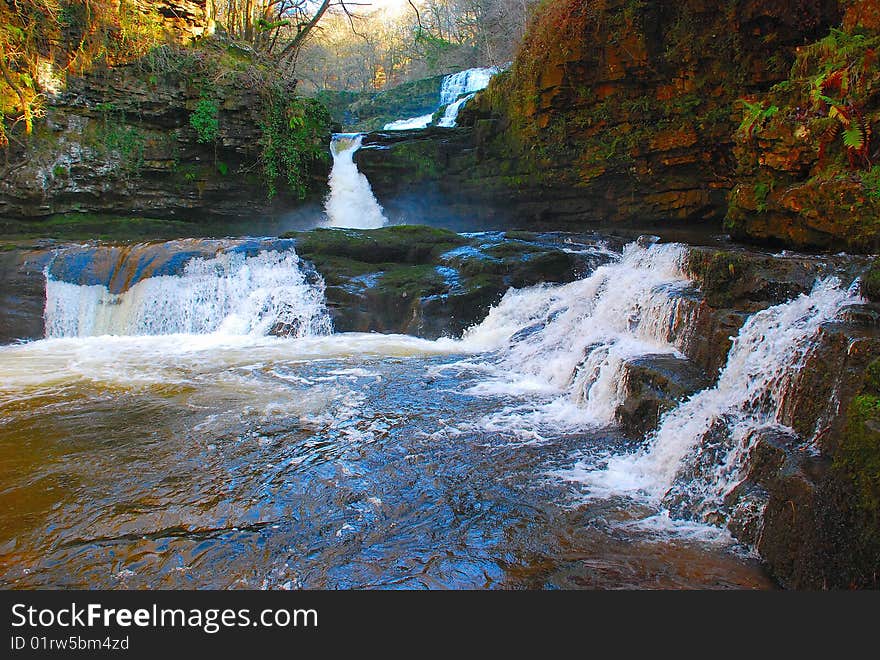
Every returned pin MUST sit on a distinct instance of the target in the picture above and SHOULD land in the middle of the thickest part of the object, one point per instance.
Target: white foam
(569, 343)
(230, 294)
(765, 357)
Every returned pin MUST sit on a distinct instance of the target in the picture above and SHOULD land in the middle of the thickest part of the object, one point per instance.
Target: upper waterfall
(351, 202)
(455, 90)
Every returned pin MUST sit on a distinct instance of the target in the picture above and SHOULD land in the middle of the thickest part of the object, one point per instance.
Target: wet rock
(23, 293)
(654, 384)
(426, 281)
(734, 283)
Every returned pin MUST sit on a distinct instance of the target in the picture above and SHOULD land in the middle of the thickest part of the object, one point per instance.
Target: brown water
(351, 461)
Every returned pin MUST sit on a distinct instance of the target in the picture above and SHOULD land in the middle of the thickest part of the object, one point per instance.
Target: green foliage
(59, 171)
(129, 142)
(295, 133)
(205, 119)
(871, 182)
(71, 36)
(432, 48)
(762, 190)
(222, 168)
(854, 137)
(117, 135)
(754, 116)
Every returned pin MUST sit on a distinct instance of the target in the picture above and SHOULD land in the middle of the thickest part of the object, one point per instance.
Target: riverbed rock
(653, 385)
(425, 281)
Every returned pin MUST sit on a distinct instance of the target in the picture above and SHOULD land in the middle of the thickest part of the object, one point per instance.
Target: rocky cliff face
(157, 138)
(621, 111)
(806, 150)
(813, 482)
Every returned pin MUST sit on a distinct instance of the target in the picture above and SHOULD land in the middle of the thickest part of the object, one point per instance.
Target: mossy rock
(512, 249)
(721, 275)
(871, 282)
(403, 244)
(410, 282)
(859, 455)
(423, 280)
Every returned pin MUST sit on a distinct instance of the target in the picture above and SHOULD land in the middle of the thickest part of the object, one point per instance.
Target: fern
(755, 115)
(854, 138)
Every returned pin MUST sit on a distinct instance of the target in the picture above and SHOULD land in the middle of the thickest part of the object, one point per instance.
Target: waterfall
(699, 452)
(351, 202)
(455, 91)
(450, 116)
(232, 293)
(570, 342)
(458, 84)
(558, 356)
(409, 124)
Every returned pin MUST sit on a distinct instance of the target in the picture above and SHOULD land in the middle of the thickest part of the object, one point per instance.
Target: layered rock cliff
(184, 125)
(155, 138)
(624, 111)
(806, 150)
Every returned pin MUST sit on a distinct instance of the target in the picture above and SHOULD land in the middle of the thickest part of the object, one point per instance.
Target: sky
(395, 5)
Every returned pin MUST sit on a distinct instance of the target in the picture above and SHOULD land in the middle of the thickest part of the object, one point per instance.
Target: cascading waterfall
(351, 202)
(765, 358)
(570, 342)
(232, 293)
(562, 349)
(455, 91)
(465, 85)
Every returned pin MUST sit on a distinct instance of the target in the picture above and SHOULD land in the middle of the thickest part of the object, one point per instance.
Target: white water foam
(564, 347)
(463, 83)
(351, 202)
(750, 394)
(409, 124)
(230, 294)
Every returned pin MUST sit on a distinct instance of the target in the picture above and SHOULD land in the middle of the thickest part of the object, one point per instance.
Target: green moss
(871, 282)
(512, 249)
(859, 455)
(404, 244)
(91, 226)
(338, 271)
(411, 282)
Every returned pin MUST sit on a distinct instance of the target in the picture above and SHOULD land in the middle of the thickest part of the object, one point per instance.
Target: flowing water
(351, 202)
(191, 420)
(455, 91)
